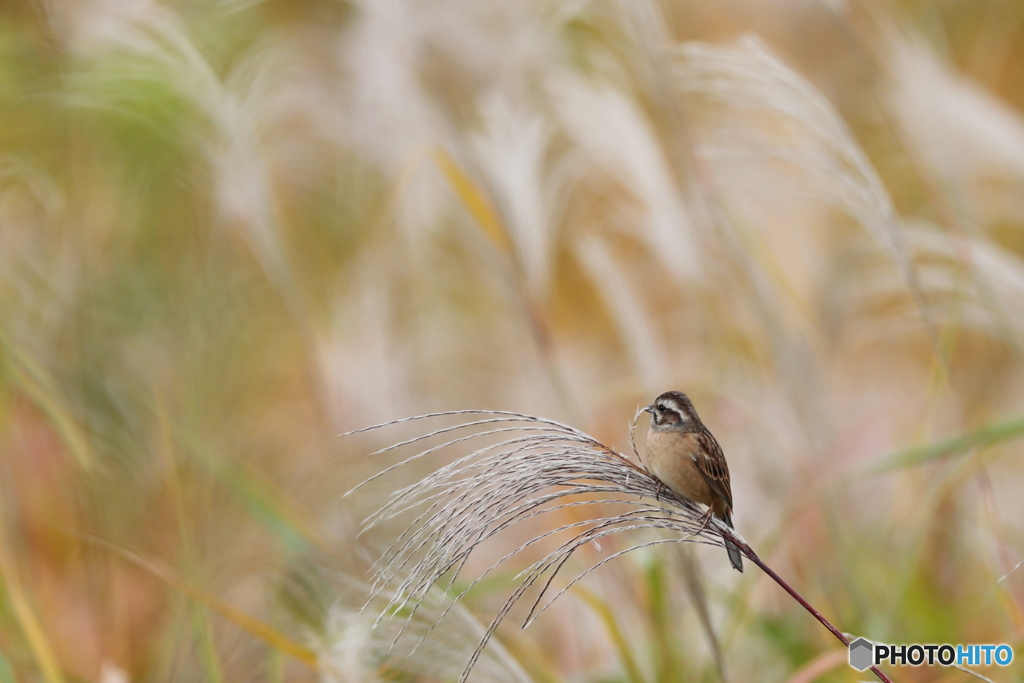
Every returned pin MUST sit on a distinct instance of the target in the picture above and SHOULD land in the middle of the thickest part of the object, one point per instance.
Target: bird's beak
(649, 409)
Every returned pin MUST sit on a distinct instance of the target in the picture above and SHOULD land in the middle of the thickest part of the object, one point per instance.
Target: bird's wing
(711, 464)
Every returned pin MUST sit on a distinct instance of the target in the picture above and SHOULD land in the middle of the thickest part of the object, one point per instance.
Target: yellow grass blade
(37, 641)
(607, 616)
(255, 627)
(474, 200)
(39, 386)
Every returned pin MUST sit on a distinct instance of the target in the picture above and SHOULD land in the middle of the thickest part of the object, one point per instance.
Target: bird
(687, 459)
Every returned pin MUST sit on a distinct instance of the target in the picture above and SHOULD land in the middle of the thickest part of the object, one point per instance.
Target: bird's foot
(704, 519)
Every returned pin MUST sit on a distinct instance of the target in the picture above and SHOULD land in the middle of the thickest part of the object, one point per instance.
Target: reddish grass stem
(752, 556)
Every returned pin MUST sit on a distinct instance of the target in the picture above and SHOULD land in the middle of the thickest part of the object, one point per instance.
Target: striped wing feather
(712, 466)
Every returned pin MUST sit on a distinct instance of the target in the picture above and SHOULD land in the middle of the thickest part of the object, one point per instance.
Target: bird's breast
(670, 456)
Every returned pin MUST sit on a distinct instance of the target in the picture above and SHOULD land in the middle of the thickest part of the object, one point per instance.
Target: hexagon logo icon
(861, 654)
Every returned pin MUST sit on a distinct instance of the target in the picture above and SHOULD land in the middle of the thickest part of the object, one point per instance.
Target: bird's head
(673, 410)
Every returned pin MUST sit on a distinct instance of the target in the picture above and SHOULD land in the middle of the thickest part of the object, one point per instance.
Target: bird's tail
(734, 553)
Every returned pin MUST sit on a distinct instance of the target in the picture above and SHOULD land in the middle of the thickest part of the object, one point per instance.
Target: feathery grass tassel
(536, 467)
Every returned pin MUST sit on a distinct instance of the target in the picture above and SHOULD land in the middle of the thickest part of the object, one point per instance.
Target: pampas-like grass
(353, 649)
(536, 466)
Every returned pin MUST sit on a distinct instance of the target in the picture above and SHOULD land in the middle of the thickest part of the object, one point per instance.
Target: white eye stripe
(675, 408)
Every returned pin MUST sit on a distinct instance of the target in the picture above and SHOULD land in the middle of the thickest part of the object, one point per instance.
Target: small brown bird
(685, 456)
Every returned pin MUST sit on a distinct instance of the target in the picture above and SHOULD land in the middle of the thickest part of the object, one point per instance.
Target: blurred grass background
(231, 230)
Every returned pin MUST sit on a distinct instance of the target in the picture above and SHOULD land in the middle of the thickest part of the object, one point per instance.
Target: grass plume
(535, 467)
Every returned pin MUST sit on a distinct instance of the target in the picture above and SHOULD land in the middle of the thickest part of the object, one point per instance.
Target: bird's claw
(704, 519)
